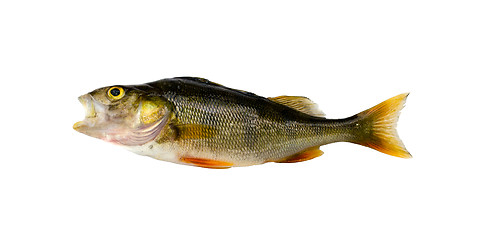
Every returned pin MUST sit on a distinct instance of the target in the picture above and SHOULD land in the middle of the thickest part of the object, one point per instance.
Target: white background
(56, 183)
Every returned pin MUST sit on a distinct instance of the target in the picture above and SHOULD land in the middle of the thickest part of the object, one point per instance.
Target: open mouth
(88, 105)
(90, 112)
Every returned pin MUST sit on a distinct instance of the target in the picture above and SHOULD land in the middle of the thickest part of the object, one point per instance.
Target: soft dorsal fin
(301, 104)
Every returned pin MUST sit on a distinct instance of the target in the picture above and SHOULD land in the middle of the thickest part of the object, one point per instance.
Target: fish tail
(376, 127)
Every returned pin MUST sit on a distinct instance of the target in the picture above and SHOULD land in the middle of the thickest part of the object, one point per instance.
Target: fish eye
(116, 93)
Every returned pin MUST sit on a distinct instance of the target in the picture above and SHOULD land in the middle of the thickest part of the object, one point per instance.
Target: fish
(193, 121)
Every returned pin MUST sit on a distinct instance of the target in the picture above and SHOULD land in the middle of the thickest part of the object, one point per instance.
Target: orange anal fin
(207, 163)
(302, 156)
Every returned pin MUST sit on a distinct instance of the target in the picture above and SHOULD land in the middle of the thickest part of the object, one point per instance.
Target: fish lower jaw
(78, 125)
(85, 125)
(95, 129)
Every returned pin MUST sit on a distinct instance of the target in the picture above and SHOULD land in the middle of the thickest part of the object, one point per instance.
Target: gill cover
(152, 116)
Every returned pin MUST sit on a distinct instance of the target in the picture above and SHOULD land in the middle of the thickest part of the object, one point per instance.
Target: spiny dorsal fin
(205, 81)
(201, 80)
(301, 104)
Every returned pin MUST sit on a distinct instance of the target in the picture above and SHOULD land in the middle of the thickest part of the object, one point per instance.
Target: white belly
(163, 152)
(173, 153)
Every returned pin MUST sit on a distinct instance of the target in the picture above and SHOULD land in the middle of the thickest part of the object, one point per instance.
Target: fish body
(196, 122)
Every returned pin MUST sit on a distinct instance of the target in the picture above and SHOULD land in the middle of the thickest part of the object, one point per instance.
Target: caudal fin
(377, 127)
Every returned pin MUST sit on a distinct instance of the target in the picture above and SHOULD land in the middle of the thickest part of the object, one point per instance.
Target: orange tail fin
(378, 127)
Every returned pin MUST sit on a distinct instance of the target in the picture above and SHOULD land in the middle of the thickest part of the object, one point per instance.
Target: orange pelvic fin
(207, 163)
(305, 155)
(378, 127)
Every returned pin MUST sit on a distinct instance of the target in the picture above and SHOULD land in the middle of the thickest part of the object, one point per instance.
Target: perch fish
(196, 122)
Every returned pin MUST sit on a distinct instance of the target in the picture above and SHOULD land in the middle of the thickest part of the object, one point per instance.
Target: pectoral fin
(305, 155)
(195, 131)
(207, 163)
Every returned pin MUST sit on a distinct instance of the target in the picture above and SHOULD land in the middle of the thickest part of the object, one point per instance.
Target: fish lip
(77, 125)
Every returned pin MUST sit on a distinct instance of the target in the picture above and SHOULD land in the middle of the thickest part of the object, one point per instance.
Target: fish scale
(240, 129)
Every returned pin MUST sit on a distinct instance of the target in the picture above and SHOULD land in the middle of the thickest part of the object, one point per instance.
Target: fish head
(123, 115)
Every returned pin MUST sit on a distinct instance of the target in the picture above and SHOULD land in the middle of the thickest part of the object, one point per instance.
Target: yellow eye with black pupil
(116, 93)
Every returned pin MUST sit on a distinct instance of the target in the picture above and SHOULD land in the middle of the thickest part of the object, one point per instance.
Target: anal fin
(207, 163)
(302, 156)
